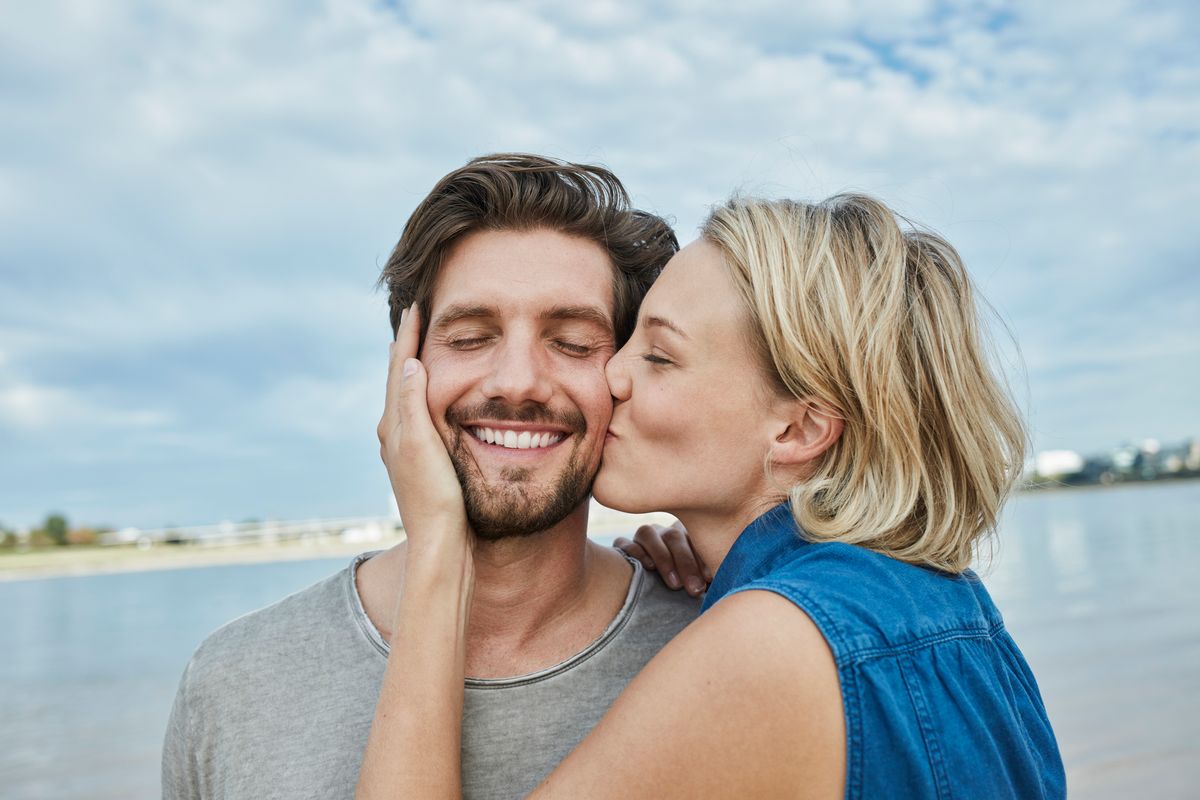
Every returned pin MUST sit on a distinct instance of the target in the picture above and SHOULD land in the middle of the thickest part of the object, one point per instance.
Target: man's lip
(532, 427)
(611, 434)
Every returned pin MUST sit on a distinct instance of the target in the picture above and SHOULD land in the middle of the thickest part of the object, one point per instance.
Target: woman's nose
(617, 373)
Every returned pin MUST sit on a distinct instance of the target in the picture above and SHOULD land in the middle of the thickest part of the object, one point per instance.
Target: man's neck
(537, 600)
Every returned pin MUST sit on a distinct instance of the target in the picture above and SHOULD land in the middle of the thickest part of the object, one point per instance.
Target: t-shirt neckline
(610, 632)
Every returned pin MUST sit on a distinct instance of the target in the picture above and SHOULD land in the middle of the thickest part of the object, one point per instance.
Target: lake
(1100, 588)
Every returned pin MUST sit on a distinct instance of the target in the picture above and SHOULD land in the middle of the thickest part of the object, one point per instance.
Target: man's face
(519, 333)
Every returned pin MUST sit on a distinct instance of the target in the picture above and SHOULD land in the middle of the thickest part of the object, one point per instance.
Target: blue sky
(195, 199)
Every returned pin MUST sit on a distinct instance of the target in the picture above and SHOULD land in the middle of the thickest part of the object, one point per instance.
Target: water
(1100, 588)
(90, 666)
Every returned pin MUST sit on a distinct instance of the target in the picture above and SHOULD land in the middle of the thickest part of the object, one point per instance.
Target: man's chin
(506, 512)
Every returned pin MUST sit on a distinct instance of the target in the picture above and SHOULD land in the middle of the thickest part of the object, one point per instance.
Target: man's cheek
(438, 400)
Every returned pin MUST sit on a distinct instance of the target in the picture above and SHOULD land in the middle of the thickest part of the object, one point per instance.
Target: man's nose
(520, 373)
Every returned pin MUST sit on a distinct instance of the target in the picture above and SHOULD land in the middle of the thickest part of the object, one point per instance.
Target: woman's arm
(744, 703)
(415, 741)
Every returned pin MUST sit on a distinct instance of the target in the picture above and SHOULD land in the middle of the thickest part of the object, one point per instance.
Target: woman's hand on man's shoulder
(667, 550)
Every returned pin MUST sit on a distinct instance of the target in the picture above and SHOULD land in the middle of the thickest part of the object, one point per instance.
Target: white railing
(350, 529)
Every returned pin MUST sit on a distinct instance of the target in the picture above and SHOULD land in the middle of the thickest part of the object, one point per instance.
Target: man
(529, 272)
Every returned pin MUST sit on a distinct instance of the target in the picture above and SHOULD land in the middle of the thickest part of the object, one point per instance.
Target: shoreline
(83, 561)
(1054, 486)
(78, 561)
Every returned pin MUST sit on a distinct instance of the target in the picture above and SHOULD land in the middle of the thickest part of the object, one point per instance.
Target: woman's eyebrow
(662, 322)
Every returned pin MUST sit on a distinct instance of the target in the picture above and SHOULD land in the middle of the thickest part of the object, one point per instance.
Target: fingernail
(695, 585)
(673, 580)
(410, 367)
(403, 315)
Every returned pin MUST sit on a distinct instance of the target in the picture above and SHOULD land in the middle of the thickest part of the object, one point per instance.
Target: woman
(838, 448)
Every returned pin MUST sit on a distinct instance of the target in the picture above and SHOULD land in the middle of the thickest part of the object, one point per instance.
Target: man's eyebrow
(584, 313)
(662, 322)
(454, 313)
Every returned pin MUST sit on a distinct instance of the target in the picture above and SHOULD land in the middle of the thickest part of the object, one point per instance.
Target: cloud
(195, 200)
(27, 406)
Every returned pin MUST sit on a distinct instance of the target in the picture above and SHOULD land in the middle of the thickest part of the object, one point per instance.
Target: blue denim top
(939, 702)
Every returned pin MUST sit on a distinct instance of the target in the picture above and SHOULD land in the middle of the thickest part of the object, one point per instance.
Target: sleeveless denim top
(939, 702)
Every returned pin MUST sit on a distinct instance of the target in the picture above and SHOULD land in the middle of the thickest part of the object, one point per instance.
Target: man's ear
(806, 429)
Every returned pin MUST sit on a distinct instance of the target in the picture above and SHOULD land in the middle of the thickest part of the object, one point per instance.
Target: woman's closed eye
(656, 359)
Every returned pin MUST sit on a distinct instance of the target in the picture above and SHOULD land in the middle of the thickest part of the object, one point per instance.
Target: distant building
(1058, 463)
(1149, 460)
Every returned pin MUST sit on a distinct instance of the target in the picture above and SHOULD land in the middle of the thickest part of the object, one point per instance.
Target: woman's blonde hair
(852, 306)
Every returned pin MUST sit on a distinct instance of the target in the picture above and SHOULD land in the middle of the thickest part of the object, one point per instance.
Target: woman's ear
(807, 428)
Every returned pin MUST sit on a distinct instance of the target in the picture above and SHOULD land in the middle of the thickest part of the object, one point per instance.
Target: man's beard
(512, 505)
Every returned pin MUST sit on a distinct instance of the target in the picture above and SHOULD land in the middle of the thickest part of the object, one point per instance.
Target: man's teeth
(516, 441)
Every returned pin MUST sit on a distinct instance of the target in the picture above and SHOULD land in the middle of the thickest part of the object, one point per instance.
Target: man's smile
(516, 438)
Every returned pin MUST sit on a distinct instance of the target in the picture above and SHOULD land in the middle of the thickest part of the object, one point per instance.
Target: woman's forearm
(415, 742)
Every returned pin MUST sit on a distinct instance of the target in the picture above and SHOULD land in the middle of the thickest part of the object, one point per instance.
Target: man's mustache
(571, 419)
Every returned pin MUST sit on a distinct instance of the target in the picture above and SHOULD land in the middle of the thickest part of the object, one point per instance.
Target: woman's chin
(614, 494)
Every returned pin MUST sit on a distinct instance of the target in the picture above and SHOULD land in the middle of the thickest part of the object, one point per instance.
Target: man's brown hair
(517, 191)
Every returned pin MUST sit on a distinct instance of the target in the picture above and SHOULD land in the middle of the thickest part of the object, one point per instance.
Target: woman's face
(689, 431)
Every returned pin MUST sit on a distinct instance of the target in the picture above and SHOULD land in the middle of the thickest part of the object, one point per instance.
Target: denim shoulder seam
(871, 653)
(848, 655)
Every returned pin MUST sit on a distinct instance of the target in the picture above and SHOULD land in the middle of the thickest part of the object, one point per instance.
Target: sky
(196, 200)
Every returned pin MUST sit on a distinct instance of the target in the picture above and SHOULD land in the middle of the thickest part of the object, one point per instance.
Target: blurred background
(196, 200)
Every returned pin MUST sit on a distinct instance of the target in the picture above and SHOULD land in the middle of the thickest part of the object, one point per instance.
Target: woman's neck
(713, 531)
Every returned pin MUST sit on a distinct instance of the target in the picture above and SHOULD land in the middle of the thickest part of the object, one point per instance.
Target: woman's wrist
(438, 544)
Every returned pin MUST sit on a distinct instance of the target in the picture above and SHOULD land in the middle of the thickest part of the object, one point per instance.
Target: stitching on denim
(852, 703)
(870, 653)
(845, 655)
(933, 749)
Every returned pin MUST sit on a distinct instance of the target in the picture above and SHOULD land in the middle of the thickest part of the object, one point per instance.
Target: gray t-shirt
(279, 703)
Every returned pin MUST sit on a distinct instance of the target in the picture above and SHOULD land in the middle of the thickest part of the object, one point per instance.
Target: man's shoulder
(659, 612)
(283, 634)
(277, 702)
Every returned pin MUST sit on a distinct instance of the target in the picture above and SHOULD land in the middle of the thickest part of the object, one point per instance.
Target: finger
(650, 538)
(408, 334)
(634, 550)
(705, 570)
(686, 561)
(402, 348)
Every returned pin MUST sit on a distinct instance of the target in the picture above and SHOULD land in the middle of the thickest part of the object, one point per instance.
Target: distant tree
(56, 528)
